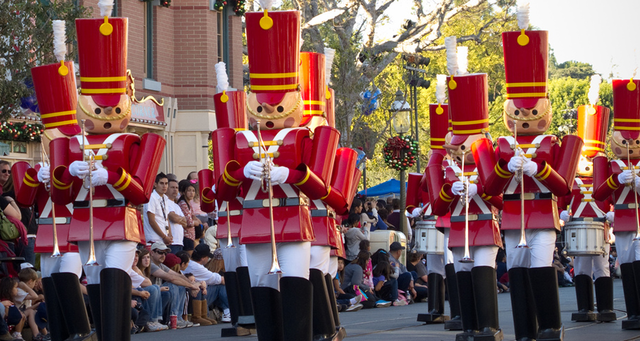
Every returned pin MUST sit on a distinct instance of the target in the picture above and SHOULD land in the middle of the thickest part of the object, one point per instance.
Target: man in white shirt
(157, 215)
(178, 224)
(216, 291)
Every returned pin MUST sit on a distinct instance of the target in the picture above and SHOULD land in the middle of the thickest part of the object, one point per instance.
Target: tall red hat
(439, 124)
(102, 54)
(57, 96)
(626, 107)
(468, 105)
(273, 44)
(330, 107)
(231, 109)
(593, 125)
(313, 85)
(526, 59)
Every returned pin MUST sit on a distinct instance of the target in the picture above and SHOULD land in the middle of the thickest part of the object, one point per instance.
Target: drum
(428, 239)
(584, 238)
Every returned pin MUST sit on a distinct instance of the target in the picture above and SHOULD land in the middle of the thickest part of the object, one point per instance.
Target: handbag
(8, 230)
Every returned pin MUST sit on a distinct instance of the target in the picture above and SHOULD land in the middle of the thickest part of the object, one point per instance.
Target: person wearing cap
(122, 166)
(618, 181)
(173, 299)
(299, 172)
(580, 210)
(400, 273)
(216, 291)
(544, 167)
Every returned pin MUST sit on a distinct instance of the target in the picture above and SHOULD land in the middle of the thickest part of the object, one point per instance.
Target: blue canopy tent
(390, 187)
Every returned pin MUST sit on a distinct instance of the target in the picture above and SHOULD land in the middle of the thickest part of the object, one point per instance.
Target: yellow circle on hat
(631, 86)
(224, 98)
(63, 70)
(106, 28)
(523, 39)
(439, 109)
(266, 22)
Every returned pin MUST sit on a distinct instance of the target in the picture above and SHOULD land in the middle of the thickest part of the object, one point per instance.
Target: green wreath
(21, 132)
(400, 152)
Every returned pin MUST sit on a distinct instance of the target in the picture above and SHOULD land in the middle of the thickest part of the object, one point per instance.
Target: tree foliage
(26, 40)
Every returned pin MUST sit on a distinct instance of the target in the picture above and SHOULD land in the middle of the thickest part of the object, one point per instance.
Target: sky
(603, 33)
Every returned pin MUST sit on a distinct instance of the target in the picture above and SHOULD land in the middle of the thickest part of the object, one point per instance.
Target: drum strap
(627, 189)
(586, 191)
(476, 198)
(514, 184)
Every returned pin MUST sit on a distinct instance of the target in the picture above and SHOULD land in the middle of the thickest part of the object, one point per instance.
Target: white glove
(515, 164)
(564, 216)
(99, 177)
(253, 170)
(609, 216)
(416, 212)
(279, 175)
(457, 188)
(44, 174)
(625, 177)
(374, 211)
(637, 184)
(213, 188)
(79, 168)
(473, 190)
(530, 167)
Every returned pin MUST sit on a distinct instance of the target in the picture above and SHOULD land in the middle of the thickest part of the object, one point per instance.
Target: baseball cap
(396, 246)
(159, 246)
(203, 250)
(171, 260)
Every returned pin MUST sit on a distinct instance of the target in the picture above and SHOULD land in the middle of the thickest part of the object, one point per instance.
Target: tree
(26, 40)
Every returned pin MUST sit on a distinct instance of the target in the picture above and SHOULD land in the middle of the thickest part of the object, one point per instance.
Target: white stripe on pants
(539, 254)
(320, 255)
(294, 259)
(68, 262)
(597, 265)
(109, 254)
(627, 248)
(481, 255)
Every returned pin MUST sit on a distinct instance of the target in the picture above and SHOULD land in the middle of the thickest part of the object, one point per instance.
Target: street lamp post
(401, 120)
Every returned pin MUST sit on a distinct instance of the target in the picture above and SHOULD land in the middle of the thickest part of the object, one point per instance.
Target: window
(148, 41)
(220, 34)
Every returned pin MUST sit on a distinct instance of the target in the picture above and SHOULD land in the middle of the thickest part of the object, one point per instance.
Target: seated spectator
(353, 282)
(385, 286)
(216, 291)
(345, 301)
(216, 263)
(404, 277)
(147, 294)
(501, 271)
(420, 276)
(187, 194)
(354, 235)
(365, 245)
(13, 316)
(173, 300)
(30, 303)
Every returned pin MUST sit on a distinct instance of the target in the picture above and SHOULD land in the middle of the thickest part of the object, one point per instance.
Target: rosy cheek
(252, 122)
(542, 124)
(124, 124)
(289, 122)
(510, 124)
(618, 151)
(88, 125)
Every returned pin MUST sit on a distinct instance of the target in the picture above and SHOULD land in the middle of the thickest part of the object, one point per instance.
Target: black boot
(67, 288)
(604, 298)
(522, 304)
(334, 305)
(467, 307)
(297, 308)
(235, 308)
(436, 301)
(115, 304)
(544, 282)
(630, 297)
(93, 291)
(324, 328)
(584, 297)
(454, 300)
(267, 311)
(244, 284)
(486, 301)
(55, 317)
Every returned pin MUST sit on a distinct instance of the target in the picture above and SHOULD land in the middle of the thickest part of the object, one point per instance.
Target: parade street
(399, 323)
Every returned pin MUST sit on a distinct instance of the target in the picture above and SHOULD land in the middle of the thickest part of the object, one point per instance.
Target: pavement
(400, 322)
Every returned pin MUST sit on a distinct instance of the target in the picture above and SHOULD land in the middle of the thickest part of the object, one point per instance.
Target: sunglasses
(161, 252)
(6, 171)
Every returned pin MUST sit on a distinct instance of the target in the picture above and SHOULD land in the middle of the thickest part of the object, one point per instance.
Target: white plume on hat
(266, 4)
(463, 52)
(329, 54)
(441, 88)
(594, 88)
(221, 77)
(106, 6)
(523, 15)
(452, 55)
(59, 39)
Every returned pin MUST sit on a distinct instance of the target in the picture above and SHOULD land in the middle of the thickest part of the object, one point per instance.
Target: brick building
(172, 53)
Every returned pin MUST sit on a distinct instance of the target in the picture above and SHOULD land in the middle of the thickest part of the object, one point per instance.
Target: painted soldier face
(464, 149)
(275, 113)
(530, 121)
(619, 146)
(104, 120)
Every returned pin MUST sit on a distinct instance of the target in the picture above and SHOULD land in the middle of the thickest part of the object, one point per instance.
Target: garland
(22, 132)
(400, 152)
(238, 6)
